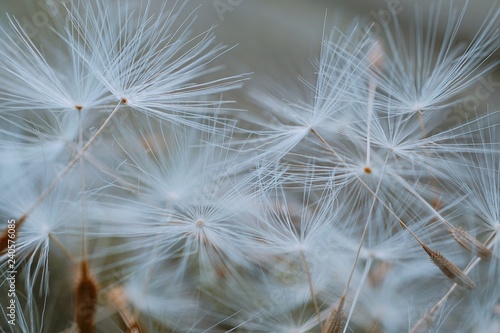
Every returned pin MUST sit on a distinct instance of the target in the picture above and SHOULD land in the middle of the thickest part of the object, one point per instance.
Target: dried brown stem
(85, 300)
(449, 269)
(336, 320)
(4, 239)
(121, 303)
(469, 243)
(427, 320)
(311, 288)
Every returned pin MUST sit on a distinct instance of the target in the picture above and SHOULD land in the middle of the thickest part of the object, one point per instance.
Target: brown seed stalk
(121, 303)
(134, 328)
(336, 320)
(449, 269)
(469, 243)
(4, 239)
(424, 325)
(85, 300)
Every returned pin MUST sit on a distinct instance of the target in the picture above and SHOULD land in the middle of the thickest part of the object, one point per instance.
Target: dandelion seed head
(301, 246)
(200, 223)
(418, 106)
(274, 202)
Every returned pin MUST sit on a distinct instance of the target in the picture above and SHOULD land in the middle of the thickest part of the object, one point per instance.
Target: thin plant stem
(429, 316)
(371, 96)
(358, 291)
(84, 190)
(311, 289)
(358, 252)
(70, 165)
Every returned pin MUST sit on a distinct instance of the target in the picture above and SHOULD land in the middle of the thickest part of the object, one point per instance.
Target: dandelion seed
(449, 269)
(148, 59)
(421, 75)
(254, 223)
(336, 320)
(316, 106)
(32, 80)
(470, 243)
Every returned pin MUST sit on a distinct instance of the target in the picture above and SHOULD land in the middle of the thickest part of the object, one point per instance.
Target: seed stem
(68, 168)
(311, 289)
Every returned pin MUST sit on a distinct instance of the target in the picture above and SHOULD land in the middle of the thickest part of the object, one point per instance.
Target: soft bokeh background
(276, 39)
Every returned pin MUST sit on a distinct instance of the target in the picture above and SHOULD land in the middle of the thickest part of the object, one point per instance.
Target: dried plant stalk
(449, 269)
(424, 324)
(336, 320)
(85, 300)
(120, 301)
(134, 328)
(469, 243)
(4, 239)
